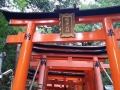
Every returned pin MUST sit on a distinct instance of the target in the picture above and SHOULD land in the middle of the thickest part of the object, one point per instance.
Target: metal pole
(2, 55)
(35, 74)
(106, 73)
(12, 78)
(1, 58)
(0, 67)
(17, 55)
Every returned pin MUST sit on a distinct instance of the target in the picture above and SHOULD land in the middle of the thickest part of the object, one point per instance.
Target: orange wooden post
(113, 52)
(24, 59)
(69, 87)
(98, 74)
(79, 87)
(42, 72)
(75, 87)
(46, 75)
(52, 86)
(65, 88)
(87, 84)
(83, 87)
(91, 78)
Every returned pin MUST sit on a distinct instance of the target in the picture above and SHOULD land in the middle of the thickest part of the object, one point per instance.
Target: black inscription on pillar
(43, 61)
(110, 32)
(27, 36)
(97, 64)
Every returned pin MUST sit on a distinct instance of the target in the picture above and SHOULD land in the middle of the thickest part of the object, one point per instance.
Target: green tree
(8, 62)
(35, 5)
(2, 3)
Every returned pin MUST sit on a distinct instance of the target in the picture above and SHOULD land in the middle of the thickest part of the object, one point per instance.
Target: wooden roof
(42, 15)
(57, 49)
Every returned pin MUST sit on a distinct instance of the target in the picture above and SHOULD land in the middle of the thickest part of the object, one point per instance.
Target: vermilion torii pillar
(97, 74)
(75, 87)
(79, 87)
(91, 78)
(113, 52)
(42, 72)
(24, 58)
(87, 83)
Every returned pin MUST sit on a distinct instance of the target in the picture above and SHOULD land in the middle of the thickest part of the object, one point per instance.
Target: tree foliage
(2, 3)
(44, 5)
(8, 62)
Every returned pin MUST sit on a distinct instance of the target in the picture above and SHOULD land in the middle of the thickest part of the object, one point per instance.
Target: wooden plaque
(67, 23)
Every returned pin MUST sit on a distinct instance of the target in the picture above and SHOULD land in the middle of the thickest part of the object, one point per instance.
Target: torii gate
(106, 16)
(65, 59)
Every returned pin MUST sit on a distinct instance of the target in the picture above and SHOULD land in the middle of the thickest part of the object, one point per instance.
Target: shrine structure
(56, 67)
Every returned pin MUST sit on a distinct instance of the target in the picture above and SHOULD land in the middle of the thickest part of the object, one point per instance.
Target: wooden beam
(65, 59)
(47, 38)
(62, 78)
(66, 76)
(69, 64)
(64, 83)
(54, 88)
(38, 55)
(82, 50)
(19, 22)
(55, 21)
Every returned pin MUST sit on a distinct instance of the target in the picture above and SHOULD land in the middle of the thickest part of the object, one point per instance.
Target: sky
(87, 1)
